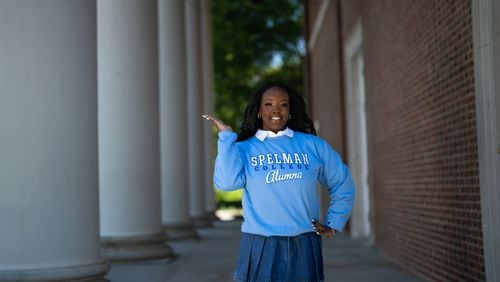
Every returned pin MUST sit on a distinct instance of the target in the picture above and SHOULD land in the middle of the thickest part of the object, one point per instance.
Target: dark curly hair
(299, 121)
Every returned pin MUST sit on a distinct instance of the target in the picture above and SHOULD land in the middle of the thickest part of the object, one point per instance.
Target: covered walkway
(212, 259)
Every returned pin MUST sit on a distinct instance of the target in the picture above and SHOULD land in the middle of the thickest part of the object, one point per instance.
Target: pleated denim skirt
(280, 258)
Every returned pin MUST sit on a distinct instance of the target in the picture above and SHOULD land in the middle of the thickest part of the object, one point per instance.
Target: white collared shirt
(263, 134)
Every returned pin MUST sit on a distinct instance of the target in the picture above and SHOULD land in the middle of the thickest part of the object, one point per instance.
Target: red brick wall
(421, 133)
(422, 128)
(325, 84)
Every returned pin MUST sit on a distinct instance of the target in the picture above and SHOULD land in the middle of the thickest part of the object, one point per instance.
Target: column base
(181, 231)
(212, 216)
(82, 273)
(203, 222)
(150, 247)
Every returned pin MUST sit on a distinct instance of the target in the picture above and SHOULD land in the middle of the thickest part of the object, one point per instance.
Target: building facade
(408, 92)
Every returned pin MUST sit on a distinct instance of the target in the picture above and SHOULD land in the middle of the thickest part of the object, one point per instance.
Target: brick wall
(421, 129)
(324, 79)
(422, 136)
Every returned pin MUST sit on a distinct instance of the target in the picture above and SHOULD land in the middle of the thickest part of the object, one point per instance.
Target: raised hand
(218, 123)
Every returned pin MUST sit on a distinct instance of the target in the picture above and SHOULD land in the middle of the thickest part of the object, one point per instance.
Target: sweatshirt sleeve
(229, 173)
(335, 175)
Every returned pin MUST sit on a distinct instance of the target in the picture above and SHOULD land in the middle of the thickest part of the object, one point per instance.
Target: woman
(278, 160)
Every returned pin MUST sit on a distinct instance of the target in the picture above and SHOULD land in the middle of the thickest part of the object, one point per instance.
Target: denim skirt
(280, 258)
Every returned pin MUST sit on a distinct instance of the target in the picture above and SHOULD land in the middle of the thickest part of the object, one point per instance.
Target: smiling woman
(274, 110)
(278, 161)
(258, 115)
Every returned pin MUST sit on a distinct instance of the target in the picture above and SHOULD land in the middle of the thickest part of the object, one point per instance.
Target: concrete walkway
(212, 259)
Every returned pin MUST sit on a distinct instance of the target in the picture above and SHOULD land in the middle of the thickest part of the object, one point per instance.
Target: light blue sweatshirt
(279, 177)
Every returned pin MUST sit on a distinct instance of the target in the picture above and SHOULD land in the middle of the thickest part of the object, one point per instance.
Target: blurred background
(106, 163)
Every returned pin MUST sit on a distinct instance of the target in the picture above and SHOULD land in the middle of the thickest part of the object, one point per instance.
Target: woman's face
(274, 109)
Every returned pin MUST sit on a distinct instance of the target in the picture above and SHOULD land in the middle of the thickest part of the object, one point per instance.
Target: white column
(357, 149)
(129, 149)
(208, 96)
(486, 42)
(173, 125)
(194, 111)
(49, 213)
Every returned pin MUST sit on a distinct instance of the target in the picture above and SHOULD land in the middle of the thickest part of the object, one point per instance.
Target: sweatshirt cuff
(227, 135)
(336, 223)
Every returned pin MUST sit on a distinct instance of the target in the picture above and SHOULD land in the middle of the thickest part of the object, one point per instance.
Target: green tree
(254, 41)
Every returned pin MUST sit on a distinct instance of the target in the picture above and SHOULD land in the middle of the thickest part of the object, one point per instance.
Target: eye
(268, 104)
(284, 105)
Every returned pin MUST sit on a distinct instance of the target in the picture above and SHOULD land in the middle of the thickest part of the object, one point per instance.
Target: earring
(258, 116)
(290, 116)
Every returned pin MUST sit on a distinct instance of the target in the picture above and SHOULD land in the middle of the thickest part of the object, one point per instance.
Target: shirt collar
(263, 134)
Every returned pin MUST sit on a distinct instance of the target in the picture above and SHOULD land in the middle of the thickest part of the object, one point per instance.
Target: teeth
(276, 118)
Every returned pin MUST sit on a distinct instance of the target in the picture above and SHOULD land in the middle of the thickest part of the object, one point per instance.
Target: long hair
(299, 120)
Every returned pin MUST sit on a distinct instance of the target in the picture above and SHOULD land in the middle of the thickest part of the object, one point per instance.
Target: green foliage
(228, 199)
(247, 36)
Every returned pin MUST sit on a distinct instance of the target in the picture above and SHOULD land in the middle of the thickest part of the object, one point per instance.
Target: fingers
(321, 229)
(318, 228)
(207, 117)
(218, 123)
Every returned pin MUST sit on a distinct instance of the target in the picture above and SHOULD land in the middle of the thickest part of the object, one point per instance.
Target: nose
(277, 108)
